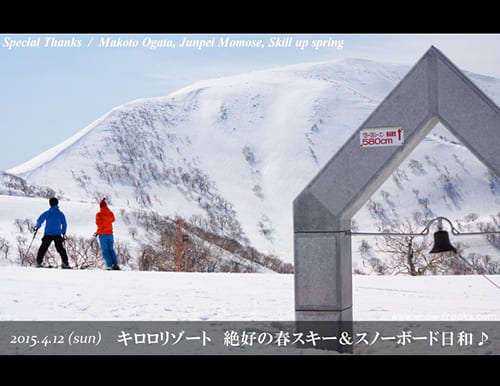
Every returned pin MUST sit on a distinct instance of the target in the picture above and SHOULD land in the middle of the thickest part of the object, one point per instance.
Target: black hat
(53, 201)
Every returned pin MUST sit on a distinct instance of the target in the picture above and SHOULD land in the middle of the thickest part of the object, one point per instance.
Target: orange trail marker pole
(179, 249)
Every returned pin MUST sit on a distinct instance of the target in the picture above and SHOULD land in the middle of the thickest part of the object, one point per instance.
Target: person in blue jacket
(55, 230)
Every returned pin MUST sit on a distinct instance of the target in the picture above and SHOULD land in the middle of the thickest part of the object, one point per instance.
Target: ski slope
(95, 295)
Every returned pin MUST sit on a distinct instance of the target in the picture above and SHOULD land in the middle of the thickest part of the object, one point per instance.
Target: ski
(52, 266)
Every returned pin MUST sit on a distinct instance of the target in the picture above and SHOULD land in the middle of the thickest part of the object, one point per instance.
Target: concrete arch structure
(433, 91)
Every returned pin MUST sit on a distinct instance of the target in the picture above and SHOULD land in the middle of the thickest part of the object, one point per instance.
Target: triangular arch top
(434, 90)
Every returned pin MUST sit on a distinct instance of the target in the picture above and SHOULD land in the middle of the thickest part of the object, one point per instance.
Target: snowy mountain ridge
(239, 149)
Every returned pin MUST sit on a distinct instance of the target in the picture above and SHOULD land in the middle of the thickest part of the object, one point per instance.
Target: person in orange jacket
(104, 220)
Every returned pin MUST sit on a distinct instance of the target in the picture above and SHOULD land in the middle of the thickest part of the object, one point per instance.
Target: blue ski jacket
(56, 221)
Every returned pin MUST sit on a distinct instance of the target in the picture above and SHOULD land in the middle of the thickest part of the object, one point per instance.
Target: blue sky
(48, 94)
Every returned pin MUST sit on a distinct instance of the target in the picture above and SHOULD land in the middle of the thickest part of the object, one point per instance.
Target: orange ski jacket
(104, 220)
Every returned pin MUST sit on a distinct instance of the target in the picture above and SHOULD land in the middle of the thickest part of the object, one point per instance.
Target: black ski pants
(58, 241)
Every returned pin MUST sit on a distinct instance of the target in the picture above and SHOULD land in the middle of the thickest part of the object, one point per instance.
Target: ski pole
(91, 242)
(33, 239)
(93, 238)
(85, 254)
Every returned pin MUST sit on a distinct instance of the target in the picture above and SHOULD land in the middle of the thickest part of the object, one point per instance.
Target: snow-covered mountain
(238, 150)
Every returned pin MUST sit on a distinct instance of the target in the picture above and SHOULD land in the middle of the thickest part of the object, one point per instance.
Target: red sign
(381, 136)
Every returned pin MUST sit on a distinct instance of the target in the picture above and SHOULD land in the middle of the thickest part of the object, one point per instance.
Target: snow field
(54, 294)
(71, 295)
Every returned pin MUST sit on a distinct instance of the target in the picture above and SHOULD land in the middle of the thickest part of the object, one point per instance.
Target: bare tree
(4, 246)
(408, 254)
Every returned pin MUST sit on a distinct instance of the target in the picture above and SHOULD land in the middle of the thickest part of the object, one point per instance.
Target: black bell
(442, 243)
